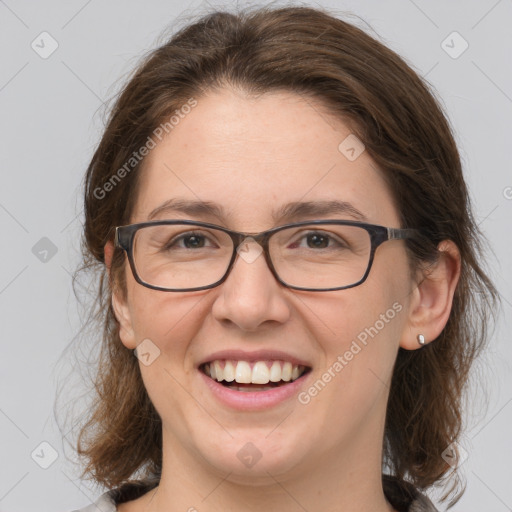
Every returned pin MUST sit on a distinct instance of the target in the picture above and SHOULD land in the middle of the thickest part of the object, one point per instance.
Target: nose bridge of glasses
(239, 238)
(250, 246)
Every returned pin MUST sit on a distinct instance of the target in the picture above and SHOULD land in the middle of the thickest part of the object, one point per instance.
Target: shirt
(402, 496)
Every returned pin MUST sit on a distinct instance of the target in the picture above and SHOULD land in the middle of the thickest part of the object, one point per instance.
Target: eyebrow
(286, 213)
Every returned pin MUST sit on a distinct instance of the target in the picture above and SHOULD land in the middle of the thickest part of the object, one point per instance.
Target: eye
(319, 240)
(191, 240)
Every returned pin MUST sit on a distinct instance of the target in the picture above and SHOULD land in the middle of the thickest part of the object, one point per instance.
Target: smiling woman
(295, 266)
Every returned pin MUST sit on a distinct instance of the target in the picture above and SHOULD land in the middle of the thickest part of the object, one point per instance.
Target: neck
(348, 482)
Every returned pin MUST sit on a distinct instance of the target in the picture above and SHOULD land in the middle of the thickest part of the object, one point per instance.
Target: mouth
(251, 376)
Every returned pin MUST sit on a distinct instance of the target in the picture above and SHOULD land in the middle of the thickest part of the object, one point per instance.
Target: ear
(431, 302)
(108, 251)
(119, 304)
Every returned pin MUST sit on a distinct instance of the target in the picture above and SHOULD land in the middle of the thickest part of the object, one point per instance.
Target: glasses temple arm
(401, 234)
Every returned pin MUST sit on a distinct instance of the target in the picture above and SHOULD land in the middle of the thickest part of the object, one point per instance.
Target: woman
(278, 209)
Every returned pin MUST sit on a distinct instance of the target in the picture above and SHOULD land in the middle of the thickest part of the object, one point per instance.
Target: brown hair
(395, 114)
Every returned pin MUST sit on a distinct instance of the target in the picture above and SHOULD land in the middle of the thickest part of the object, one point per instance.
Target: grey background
(50, 121)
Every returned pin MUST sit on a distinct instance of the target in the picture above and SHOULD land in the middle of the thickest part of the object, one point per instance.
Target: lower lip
(253, 400)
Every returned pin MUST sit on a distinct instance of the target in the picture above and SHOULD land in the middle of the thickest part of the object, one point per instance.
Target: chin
(253, 457)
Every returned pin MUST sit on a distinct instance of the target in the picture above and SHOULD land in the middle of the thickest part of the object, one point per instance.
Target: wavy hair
(395, 113)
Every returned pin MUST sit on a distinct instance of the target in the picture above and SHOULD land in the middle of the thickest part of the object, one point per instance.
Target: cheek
(350, 391)
(374, 310)
(170, 320)
(359, 334)
(361, 328)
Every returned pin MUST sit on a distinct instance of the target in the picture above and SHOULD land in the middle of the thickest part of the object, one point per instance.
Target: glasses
(319, 255)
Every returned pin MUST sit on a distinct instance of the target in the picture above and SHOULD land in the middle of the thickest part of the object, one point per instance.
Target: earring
(421, 339)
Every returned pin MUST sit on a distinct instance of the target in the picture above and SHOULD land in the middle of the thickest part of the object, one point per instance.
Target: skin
(251, 155)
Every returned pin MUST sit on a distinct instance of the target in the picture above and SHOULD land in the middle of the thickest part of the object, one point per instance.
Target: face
(251, 157)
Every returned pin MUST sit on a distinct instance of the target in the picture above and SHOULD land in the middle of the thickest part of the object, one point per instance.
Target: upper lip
(258, 355)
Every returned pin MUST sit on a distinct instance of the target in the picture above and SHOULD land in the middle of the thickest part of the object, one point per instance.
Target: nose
(251, 296)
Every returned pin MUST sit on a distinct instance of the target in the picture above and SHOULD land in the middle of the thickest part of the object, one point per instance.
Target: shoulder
(128, 491)
(105, 503)
(400, 494)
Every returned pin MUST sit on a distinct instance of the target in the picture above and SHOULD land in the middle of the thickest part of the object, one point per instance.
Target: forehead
(253, 154)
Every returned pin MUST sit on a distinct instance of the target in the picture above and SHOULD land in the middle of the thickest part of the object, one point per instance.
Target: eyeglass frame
(125, 235)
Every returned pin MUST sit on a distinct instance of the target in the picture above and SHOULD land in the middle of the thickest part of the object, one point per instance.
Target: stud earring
(421, 339)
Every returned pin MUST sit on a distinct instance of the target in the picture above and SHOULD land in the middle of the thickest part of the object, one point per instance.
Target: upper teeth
(261, 372)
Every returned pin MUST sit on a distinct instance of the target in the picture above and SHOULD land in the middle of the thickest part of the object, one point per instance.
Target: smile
(252, 376)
